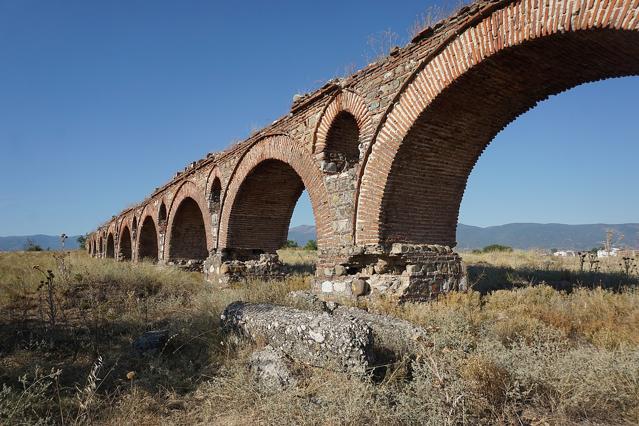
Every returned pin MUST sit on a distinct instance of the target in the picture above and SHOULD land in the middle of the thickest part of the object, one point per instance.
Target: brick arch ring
(284, 149)
(187, 189)
(497, 27)
(348, 101)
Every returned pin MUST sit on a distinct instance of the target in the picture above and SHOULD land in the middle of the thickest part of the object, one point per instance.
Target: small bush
(290, 244)
(497, 248)
(311, 245)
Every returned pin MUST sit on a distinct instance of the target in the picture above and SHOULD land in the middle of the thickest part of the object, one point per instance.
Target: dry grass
(527, 355)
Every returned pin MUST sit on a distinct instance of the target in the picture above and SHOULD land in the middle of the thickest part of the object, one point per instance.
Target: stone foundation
(403, 272)
(233, 266)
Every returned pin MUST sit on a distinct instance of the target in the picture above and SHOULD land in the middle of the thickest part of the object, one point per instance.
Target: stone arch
(344, 125)
(110, 246)
(148, 247)
(495, 69)
(100, 247)
(188, 234)
(263, 191)
(125, 246)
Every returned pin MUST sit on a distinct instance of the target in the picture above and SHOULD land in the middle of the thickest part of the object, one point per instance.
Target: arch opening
(215, 194)
(162, 214)
(428, 174)
(188, 233)
(148, 242)
(100, 248)
(126, 252)
(110, 247)
(342, 140)
(262, 210)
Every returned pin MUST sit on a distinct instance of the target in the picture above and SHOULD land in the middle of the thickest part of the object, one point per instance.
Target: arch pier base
(229, 266)
(399, 272)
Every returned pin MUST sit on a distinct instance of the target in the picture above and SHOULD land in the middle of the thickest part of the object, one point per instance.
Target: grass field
(538, 341)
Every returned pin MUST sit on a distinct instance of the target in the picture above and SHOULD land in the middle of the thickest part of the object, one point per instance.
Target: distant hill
(545, 236)
(517, 235)
(51, 242)
(522, 235)
(301, 234)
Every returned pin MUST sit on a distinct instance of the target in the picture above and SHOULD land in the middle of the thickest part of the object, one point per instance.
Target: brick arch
(344, 102)
(297, 170)
(188, 196)
(415, 172)
(148, 238)
(125, 244)
(110, 246)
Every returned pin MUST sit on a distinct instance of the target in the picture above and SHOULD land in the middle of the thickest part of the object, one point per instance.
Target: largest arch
(385, 153)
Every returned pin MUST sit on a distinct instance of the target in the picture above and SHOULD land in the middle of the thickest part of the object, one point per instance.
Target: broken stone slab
(270, 370)
(390, 334)
(339, 343)
(151, 341)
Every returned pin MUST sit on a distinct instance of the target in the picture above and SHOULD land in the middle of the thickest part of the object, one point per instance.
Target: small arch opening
(342, 141)
(215, 195)
(162, 214)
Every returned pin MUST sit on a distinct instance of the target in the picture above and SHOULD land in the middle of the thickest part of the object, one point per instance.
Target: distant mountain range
(517, 235)
(547, 235)
(51, 242)
(301, 234)
(523, 235)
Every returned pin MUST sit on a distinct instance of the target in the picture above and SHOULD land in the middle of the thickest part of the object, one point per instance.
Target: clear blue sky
(100, 102)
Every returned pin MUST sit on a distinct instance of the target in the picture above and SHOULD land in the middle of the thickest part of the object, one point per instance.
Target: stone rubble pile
(191, 265)
(339, 343)
(323, 334)
(225, 271)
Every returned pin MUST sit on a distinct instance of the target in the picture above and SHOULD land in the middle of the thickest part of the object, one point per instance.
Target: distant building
(613, 252)
(565, 253)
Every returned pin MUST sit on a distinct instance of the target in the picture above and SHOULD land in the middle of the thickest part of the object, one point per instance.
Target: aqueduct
(384, 154)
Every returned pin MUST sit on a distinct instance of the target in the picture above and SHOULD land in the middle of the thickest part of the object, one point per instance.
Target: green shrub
(496, 248)
(290, 244)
